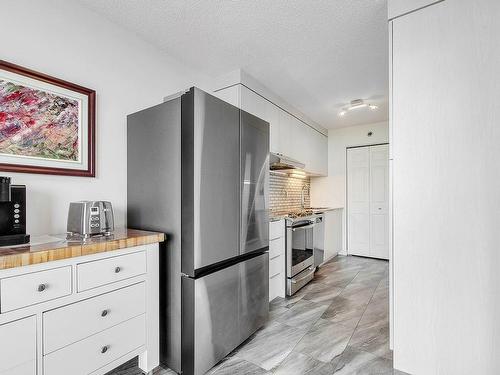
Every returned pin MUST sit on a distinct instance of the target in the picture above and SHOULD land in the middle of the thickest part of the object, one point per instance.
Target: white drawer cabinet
(89, 320)
(32, 288)
(18, 347)
(276, 266)
(276, 229)
(276, 246)
(68, 324)
(277, 259)
(110, 270)
(90, 354)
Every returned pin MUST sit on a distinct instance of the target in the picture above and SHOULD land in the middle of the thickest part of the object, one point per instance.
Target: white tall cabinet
(445, 125)
(277, 261)
(368, 201)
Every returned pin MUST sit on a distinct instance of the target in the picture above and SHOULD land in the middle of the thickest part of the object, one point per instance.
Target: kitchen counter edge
(63, 248)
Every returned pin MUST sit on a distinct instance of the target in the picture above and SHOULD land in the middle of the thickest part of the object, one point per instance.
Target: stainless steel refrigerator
(198, 171)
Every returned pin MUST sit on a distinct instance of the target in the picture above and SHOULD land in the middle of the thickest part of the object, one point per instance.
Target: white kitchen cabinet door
(322, 153)
(379, 201)
(300, 142)
(287, 134)
(18, 346)
(310, 151)
(358, 195)
(274, 119)
(253, 103)
(317, 153)
(259, 106)
(230, 94)
(277, 274)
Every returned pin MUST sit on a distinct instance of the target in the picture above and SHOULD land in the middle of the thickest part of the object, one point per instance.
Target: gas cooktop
(300, 214)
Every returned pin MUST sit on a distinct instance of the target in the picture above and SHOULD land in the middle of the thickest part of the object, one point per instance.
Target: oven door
(300, 249)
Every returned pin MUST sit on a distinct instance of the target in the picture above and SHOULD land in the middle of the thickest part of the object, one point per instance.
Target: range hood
(279, 162)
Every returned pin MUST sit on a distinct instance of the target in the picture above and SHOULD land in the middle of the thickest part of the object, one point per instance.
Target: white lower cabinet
(110, 270)
(18, 347)
(277, 274)
(90, 354)
(107, 319)
(68, 324)
(333, 233)
(33, 288)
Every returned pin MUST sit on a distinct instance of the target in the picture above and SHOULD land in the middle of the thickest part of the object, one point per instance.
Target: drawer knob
(104, 313)
(117, 269)
(104, 349)
(42, 287)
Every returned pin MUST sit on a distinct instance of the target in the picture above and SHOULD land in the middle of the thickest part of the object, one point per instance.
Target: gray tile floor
(337, 324)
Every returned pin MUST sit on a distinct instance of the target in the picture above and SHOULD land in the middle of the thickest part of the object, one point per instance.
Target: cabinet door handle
(104, 313)
(117, 269)
(104, 349)
(42, 287)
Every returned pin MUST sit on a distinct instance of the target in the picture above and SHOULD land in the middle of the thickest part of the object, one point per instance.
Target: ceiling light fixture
(357, 104)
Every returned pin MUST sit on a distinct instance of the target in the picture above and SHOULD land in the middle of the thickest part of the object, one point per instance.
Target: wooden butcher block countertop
(49, 248)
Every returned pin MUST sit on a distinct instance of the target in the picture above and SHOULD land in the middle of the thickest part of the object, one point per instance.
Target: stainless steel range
(300, 265)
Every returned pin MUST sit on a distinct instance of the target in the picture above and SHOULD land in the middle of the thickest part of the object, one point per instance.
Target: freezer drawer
(221, 310)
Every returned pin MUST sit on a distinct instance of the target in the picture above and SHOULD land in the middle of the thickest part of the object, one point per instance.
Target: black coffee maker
(12, 213)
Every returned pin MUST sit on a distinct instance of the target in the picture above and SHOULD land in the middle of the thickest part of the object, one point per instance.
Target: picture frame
(47, 125)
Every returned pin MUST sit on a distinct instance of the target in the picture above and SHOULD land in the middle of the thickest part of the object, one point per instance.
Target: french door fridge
(198, 171)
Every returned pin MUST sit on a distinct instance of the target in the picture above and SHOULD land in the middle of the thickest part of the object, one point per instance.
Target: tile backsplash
(285, 192)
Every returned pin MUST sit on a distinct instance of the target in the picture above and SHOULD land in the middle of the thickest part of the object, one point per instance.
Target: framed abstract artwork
(47, 125)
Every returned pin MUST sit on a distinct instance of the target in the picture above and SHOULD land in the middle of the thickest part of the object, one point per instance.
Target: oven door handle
(295, 281)
(304, 227)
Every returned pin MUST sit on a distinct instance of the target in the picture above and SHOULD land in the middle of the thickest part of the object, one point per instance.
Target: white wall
(330, 191)
(62, 39)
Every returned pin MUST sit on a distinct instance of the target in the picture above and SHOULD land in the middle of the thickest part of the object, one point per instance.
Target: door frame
(346, 189)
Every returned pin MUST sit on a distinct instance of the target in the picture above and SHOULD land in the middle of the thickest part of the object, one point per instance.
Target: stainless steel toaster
(89, 218)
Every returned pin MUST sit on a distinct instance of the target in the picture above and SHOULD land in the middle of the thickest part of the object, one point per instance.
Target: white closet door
(358, 195)
(379, 201)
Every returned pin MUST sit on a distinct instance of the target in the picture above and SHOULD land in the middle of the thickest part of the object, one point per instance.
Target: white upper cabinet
(319, 152)
(274, 119)
(397, 8)
(257, 105)
(230, 94)
(288, 135)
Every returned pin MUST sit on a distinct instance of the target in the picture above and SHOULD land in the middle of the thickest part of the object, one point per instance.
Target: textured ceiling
(316, 54)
